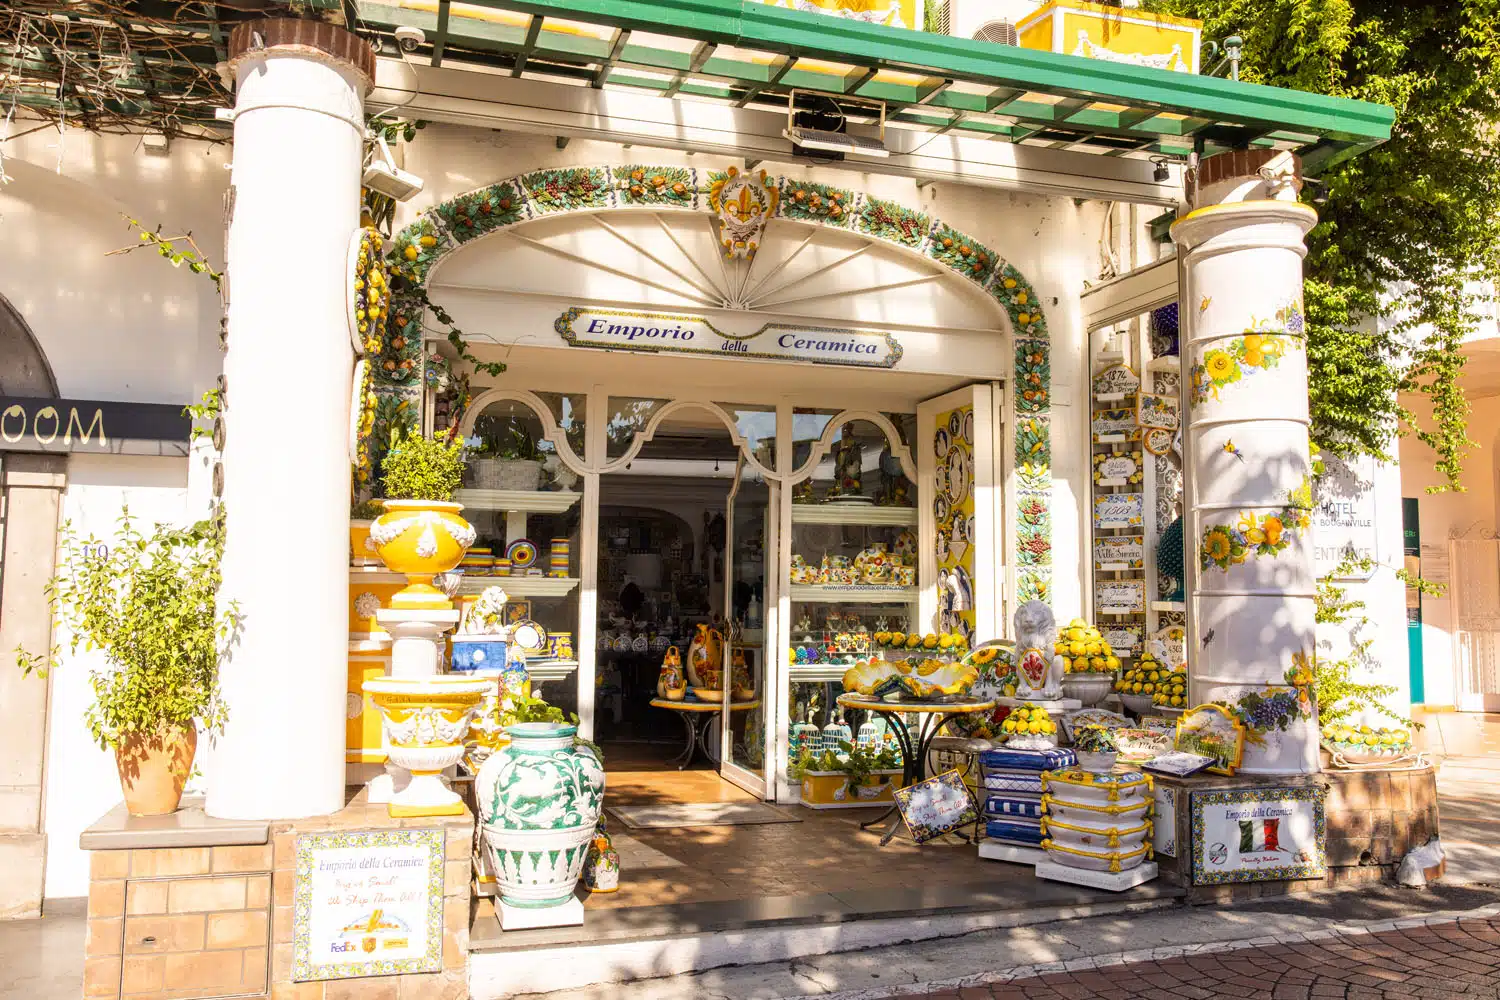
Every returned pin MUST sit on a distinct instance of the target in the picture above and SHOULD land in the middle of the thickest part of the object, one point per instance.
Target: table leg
(686, 757)
(913, 763)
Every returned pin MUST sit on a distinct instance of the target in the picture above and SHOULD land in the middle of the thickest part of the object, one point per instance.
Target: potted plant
(1096, 749)
(421, 533)
(361, 515)
(848, 778)
(149, 604)
(539, 799)
(504, 454)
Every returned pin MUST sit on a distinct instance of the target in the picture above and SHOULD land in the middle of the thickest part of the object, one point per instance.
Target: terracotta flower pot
(154, 767)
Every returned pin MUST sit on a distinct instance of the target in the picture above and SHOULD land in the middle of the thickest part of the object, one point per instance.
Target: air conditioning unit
(986, 20)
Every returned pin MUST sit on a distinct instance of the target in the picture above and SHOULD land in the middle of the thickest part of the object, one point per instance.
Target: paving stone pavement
(1452, 960)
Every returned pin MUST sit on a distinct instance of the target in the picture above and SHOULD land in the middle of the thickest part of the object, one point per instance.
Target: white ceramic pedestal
(991, 851)
(1111, 881)
(524, 918)
(416, 639)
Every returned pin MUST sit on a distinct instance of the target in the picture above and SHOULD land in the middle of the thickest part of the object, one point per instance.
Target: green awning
(750, 54)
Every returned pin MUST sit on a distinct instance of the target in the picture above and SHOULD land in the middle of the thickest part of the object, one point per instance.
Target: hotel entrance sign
(617, 329)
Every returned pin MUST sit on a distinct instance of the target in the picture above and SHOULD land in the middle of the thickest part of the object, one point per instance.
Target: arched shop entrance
(723, 434)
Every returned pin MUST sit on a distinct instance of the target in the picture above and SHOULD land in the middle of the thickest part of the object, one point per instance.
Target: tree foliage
(1406, 225)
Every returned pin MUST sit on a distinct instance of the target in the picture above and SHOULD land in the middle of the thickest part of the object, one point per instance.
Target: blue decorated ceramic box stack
(1011, 784)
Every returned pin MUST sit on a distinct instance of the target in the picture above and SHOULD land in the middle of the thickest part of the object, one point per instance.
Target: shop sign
(1120, 597)
(368, 903)
(79, 425)
(1257, 835)
(677, 334)
(1119, 510)
(1344, 518)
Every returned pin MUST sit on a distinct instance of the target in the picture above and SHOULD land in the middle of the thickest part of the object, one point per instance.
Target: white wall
(81, 781)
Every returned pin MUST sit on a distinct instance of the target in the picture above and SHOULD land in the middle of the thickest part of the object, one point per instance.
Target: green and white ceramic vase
(539, 801)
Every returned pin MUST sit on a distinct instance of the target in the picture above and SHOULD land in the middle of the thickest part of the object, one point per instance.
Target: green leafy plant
(1339, 691)
(533, 709)
(422, 468)
(1095, 739)
(1404, 227)
(149, 603)
(366, 510)
(506, 436)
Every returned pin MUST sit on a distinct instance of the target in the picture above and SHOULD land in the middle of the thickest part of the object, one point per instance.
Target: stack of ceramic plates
(1098, 822)
(557, 558)
(1011, 783)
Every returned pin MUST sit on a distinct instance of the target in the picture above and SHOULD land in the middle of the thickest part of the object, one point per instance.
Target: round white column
(1248, 540)
(298, 141)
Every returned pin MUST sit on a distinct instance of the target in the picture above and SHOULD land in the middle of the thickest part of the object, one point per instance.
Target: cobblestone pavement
(1456, 960)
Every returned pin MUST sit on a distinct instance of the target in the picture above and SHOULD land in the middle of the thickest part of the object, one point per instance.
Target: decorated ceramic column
(1250, 554)
(292, 204)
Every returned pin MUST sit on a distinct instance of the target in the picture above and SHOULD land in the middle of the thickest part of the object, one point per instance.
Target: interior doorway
(682, 574)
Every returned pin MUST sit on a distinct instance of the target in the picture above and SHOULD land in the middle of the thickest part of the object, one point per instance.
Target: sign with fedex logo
(368, 903)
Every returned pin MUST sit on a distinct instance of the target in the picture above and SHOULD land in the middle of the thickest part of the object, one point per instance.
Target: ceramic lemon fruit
(1029, 727)
(1089, 663)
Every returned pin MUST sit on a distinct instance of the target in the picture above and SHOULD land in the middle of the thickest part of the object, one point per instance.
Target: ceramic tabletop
(963, 707)
(703, 706)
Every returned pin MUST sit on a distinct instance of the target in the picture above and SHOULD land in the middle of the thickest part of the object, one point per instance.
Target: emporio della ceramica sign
(667, 333)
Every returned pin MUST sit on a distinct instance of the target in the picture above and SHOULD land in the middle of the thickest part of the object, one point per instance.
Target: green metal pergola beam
(1241, 113)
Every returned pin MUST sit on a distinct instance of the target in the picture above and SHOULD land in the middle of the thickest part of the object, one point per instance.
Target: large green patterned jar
(539, 800)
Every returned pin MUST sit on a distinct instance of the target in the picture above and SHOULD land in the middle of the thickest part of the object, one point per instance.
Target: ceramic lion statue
(1039, 671)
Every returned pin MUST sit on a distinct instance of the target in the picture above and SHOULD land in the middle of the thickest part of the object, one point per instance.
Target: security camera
(410, 38)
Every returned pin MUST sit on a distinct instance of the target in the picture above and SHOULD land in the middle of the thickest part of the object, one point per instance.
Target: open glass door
(749, 536)
(961, 503)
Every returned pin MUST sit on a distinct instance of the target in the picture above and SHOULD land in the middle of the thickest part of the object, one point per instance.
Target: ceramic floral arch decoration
(445, 227)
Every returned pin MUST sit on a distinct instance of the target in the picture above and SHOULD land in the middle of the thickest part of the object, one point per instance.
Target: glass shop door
(749, 563)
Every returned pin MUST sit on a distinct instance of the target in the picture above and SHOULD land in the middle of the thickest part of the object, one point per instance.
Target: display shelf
(549, 670)
(519, 586)
(818, 673)
(525, 501)
(1166, 363)
(1168, 606)
(828, 513)
(826, 594)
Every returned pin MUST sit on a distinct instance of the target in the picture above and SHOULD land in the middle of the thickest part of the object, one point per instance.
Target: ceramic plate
(969, 428)
(850, 498)
(940, 442)
(955, 424)
(958, 476)
(521, 553)
(530, 636)
(940, 509)
(355, 394)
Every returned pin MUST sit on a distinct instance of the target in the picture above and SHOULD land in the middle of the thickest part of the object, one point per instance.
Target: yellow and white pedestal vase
(421, 538)
(417, 639)
(1248, 484)
(426, 720)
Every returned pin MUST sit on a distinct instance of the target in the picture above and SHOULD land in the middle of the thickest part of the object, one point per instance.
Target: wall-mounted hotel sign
(92, 426)
(618, 329)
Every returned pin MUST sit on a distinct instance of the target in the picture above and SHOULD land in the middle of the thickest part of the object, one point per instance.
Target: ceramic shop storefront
(712, 422)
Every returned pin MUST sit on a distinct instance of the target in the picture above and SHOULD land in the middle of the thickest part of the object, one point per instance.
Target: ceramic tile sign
(1117, 469)
(1116, 381)
(1114, 425)
(1169, 645)
(1120, 596)
(1119, 510)
(1157, 411)
(1125, 640)
(1114, 552)
(940, 804)
(1343, 519)
(368, 903)
(1257, 835)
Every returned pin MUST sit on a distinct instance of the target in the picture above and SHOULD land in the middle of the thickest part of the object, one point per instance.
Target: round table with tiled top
(696, 717)
(934, 716)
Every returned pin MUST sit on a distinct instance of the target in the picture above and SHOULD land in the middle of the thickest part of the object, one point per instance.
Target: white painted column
(1249, 545)
(298, 135)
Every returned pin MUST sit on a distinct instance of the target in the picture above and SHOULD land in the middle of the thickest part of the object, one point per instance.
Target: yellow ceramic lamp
(426, 720)
(420, 539)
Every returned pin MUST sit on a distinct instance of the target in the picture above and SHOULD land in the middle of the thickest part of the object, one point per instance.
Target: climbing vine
(1404, 227)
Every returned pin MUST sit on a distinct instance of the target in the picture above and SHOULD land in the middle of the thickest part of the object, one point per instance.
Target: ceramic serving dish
(1037, 761)
(708, 694)
(1098, 861)
(1011, 831)
(1122, 814)
(1014, 785)
(1085, 786)
(933, 678)
(1074, 721)
(873, 678)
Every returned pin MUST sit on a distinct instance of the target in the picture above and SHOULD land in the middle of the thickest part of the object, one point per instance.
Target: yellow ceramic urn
(420, 539)
(426, 720)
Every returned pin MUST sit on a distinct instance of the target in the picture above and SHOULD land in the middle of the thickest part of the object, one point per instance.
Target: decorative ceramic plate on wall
(529, 636)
